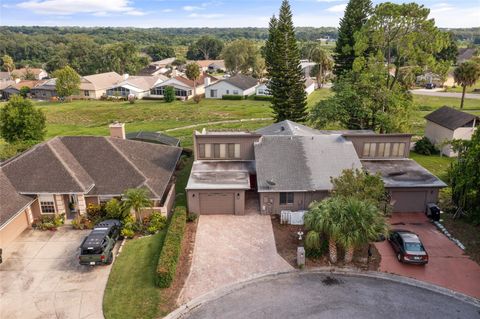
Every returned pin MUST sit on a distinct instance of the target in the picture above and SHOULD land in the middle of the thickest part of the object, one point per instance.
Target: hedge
(168, 259)
(232, 97)
(263, 97)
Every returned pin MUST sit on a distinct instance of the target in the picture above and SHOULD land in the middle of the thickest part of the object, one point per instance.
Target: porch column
(60, 204)
(82, 205)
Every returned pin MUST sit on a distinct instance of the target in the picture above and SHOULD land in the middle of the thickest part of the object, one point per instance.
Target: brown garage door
(14, 228)
(409, 202)
(217, 203)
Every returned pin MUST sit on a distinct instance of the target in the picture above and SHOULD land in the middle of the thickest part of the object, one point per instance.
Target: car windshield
(413, 246)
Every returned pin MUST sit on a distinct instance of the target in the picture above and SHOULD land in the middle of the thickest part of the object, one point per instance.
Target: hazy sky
(196, 13)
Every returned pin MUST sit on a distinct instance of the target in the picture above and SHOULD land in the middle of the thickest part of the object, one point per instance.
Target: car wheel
(110, 258)
(399, 257)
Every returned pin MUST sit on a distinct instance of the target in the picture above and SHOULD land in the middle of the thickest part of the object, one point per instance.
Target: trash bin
(433, 212)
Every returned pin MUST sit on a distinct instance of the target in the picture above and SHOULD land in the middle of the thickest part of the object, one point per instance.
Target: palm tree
(193, 73)
(466, 74)
(136, 199)
(324, 64)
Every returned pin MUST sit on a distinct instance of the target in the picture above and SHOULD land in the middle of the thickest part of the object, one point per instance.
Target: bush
(95, 213)
(157, 222)
(81, 222)
(232, 97)
(315, 245)
(130, 226)
(168, 259)
(425, 147)
(191, 217)
(169, 94)
(263, 97)
(197, 98)
(49, 222)
(114, 210)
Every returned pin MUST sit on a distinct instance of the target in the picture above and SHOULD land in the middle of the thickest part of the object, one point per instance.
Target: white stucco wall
(310, 89)
(225, 88)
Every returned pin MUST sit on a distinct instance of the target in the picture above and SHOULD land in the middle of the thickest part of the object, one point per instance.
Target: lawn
(436, 164)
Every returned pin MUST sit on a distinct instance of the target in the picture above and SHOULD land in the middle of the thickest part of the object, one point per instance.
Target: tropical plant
(67, 82)
(115, 210)
(135, 199)
(192, 72)
(8, 64)
(466, 74)
(169, 94)
(324, 64)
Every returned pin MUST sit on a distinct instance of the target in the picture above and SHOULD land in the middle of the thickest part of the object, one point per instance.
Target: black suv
(97, 248)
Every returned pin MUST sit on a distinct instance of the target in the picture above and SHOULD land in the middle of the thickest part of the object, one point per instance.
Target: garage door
(409, 202)
(13, 229)
(217, 203)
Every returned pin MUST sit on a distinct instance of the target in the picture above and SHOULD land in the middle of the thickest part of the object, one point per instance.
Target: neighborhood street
(315, 295)
(439, 93)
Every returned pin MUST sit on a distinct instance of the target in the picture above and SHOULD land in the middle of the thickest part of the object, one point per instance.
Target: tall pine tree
(282, 58)
(356, 15)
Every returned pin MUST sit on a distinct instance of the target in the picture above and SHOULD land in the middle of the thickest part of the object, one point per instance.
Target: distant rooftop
(450, 118)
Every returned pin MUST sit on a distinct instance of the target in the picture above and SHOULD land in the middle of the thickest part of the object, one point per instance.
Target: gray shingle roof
(290, 128)
(302, 163)
(450, 118)
(402, 173)
(242, 81)
(93, 165)
(10, 201)
(154, 137)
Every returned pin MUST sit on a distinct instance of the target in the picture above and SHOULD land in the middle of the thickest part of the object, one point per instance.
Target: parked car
(97, 247)
(430, 86)
(408, 247)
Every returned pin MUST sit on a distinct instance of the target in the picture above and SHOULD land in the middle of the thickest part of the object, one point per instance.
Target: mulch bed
(170, 295)
(286, 241)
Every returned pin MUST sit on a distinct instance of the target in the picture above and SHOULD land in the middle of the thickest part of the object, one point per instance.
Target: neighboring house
(39, 74)
(154, 137)
(5, 76)
(184, 88)
(65, 174)
(310, 86)
(44, 90)
(14, 88)
(157, 68)
(95, 86)
(210, 65)
(307, 67)
(287, 165)
(239, 84)
(465, 54)
(430, 77)
(446, 124)
(139, 86)
(3, 86)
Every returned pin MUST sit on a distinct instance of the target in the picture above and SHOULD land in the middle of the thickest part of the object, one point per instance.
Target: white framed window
(208, 150)
(373, 149)
(286, 198)
(223, 150)
(237, 151)
(260, 92)
(86, 93)
(235, 92)
(47, 204)
(395, 149)
(381, 149)
(213, 93)
(386, 153)
(401, 149)
(366, 149)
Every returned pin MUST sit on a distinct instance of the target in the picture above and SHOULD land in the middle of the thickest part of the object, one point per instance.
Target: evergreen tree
(282, 58)
(356, 14)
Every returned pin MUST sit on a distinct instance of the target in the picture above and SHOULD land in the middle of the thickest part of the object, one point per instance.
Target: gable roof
(101, 81)
(10, 201)
(199, 81)
(242, 81)
(291, 163)
(144, 83)
(450, 118)
(92, 165)
(290, 128)
(23, 71)
(206, 63)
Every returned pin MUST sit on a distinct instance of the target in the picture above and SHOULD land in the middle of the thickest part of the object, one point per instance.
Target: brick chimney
(117, 130)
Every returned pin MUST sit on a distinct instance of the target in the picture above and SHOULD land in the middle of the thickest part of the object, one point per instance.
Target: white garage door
(217, 203)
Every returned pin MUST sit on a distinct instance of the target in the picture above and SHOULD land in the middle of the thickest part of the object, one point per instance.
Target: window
(86, 93)
(118, 91)
(235, 92)
(381, 149)
(216, 150)
(201, 150)
(401, 149)
(213, 93)
(237, 151)
(286, 198)
(47, 204)
(373, 148)
(231, 150)
(219, 150)
(387, 150)
(228, 92)
(208, 150)
(366, 149)
(223, 150)
(395, 149)
(260, 92)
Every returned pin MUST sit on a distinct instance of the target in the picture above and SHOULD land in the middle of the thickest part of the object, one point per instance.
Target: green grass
(470, 89)
(131, 290)
(436, 164)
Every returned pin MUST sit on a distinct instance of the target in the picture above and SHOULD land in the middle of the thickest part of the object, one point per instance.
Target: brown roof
(10, 201)
(206, 63)
(23, 71)
(101, 81)
(450, 118)
(145, 82)
(92, 165)
(199, 81)
(27, 83)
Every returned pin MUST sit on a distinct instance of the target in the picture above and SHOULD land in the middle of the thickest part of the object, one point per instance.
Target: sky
(198, 13)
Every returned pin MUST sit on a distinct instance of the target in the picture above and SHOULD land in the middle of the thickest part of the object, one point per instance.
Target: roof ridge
(65, 165)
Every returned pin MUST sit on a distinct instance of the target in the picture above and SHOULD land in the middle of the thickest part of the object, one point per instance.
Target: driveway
(40, 278)
(317, 295)
(448, 266)
(229, 249)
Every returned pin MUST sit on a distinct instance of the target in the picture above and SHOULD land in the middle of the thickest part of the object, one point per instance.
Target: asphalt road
(311, 295)
(445, 94)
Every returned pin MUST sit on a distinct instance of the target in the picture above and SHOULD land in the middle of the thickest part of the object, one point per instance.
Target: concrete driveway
(229, 249)
(448, 266)
(40, 278)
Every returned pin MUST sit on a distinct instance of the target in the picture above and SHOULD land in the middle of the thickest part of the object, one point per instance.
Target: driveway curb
(217, 293)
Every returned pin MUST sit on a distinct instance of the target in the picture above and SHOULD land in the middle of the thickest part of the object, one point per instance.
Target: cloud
(69, 7)
(192, 8)
(167, 10)
(337, 8)
(442, 7)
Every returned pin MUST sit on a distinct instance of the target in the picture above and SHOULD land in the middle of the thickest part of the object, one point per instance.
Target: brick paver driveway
(229, 249)
(447, 267)
(41, 278)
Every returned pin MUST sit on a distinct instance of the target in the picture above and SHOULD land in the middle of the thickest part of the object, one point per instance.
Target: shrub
(127, 233)
(130, 226)
(169, 94)
(95, 213)
(168, 259)
(114, 210)
(425, 147)
(191, 217)
(315, 246)
(263, 97)
(81, 222)
(157, 222)
(232, 97)
(48, 222)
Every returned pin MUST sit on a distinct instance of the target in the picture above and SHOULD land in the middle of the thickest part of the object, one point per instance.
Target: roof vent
(282, 128)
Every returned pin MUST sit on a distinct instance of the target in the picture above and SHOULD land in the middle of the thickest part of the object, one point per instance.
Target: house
(3, 86)
(96, 85)
(465, 54)
(307, 67)
(310, 86)
(5, 76)
(139, 86)
(157, 68)
(65, 174)
(16, 86)
(286, 166)
(184, 88)
(211, 65)
(44, 90)
(239, 84)
(38, 74)
(446, 124)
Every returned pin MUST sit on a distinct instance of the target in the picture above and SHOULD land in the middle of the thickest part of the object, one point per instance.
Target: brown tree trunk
(463, 96)
(332, 249)
(349, 254)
